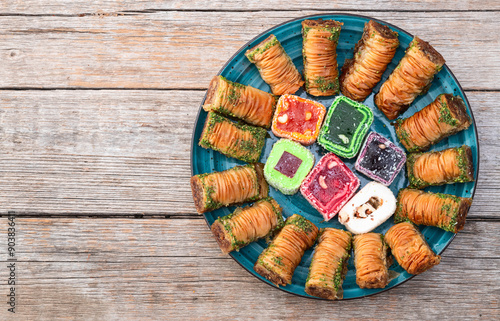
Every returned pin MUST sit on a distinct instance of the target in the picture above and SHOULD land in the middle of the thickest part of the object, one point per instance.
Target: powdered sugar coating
(380, 159)
(287, 181)
(298, 119)
(359, 215)
(345, 127)
(329, 185)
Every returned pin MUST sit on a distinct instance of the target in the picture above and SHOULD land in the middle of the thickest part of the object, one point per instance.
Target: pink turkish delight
(329, 186)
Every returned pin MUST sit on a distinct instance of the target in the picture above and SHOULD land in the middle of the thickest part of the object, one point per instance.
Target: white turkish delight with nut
(369, 208)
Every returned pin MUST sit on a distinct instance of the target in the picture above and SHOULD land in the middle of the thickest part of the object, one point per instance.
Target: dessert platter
(335, 156)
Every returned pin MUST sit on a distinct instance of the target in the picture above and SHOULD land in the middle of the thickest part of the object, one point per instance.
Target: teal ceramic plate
(240, 70)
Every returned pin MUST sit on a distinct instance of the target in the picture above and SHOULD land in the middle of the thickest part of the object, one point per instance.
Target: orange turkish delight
(298, 119)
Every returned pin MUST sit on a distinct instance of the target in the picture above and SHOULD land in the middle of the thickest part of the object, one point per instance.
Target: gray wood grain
(112, 152)
(129, 7)
(125, 153)
(95, 269)
(178, 49)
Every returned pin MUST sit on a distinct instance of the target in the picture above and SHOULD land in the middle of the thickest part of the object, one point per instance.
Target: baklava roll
(410, 249)
(246, 225)
(250, 104)
(373, 52)
(279, 260)
(452, 165)
(445, 116)
(329, 264)
(319, 51)
(275, 66)
(236, 185)
(371, 261)
(243, 142)
(412, 77)
(447, 212)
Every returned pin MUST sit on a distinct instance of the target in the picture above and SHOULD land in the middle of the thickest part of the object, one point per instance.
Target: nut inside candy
(322, 182)
(344, 138)
(332, 164)
(283, 118)
(368, 208)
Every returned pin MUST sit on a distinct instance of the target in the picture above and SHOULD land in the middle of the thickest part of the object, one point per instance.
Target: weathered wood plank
(117, 152)
(168, 269)
(112, 152)
(177, 49)
(107, 6)
(46, 239)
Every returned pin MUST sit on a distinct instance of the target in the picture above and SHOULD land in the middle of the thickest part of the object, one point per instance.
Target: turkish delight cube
(287, 166)
(298, 119)
(345, 127)
(329, 185)
(380, 159)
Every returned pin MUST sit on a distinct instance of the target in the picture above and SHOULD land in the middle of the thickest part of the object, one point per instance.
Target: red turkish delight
(329, 186)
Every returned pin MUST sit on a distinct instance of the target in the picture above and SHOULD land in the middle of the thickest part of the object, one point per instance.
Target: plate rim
(244, 47)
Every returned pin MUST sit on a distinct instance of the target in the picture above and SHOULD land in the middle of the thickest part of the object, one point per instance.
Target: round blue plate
(240, 70)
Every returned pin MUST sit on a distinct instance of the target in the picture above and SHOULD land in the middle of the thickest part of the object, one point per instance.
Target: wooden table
(98, 102)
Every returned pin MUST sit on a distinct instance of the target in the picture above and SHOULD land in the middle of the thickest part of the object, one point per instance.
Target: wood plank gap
(480, 90)
(150, 11)
(188, 216)
(42, 215)
(333, 10)
(103, 88)
(484, 219)
(492, 90)
(7, 14)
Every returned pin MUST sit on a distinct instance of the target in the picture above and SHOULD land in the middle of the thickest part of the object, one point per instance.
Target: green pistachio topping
(444, 113)
(262, 48)
(300, 222)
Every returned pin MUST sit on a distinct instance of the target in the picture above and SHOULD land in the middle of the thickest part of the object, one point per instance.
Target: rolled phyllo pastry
(410, 78)
(275, 66)
(329, 264)
(319, 51)
(246, 225)
(250, 104)
(410, 249)
(445, 116)
(433, 209)
(243, 142)
(452, 165)
(371, 261)
(279, 260)
(373, 52)
(239, 184)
